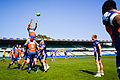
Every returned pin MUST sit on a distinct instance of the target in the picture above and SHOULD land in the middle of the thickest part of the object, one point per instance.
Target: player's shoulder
(109, 16)
(96, 42)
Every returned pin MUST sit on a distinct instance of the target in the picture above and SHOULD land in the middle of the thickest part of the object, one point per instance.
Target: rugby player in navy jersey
(97, 54)
(111, 20)
(43, 52)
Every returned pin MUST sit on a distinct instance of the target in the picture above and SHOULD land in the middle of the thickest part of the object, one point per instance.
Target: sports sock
(35, 67)
(9, 65)
(28, 65)
(18, 66)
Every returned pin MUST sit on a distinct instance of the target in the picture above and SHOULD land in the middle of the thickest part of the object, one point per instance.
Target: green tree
(43, 36)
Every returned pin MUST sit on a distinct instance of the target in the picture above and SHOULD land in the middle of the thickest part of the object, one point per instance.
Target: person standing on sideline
(97, 54)
(3, 56)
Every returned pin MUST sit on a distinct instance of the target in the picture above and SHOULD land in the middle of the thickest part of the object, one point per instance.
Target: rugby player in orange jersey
(20, 51)
(15, 57)
(32, 53)
(31, 31)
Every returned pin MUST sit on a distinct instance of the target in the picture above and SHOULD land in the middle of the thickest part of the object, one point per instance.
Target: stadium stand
(78, 47)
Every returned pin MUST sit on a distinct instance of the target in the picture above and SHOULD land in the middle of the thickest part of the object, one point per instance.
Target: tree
(43, 36)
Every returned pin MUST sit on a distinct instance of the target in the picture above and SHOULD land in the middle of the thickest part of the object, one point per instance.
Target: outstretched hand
(36, 21)
(31, 20)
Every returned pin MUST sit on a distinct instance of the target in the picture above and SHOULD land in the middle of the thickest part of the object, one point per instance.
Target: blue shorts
(34, 38)
(15, 59)
(25, 57)
(44, 56)
(97, 56)
(32, 55)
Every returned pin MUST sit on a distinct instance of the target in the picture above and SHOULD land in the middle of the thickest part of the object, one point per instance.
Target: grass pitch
(73, 68)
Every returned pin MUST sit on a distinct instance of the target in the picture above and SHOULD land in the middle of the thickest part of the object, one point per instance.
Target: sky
(60, 19)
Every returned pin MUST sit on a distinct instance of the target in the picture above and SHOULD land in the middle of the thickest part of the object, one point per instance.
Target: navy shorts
(97, 56)
(25, 57)
(15, 59)
(32, 55)
(44, 56)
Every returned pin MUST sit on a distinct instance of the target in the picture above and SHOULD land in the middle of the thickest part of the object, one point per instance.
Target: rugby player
(44, 55)
(15, 57)
(97, 54)
(111, 20)
(25, 57)
(52, 56)
(65, 54)
(11, 54)
(20, 51)
(32, 30)
(3, 56)
(32, 47)
(55, 53)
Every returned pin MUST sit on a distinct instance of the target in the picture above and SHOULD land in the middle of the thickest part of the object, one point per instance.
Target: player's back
(32, 47)
(44, 51)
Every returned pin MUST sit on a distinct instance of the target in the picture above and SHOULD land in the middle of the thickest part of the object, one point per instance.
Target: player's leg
(18, 60)
(35, 61)
(25, 58)
(28, 63)
(55, 55)
(46, 63)
(118, 64)
(101, 68)
(11, 63)
(52, 58)
(98, 66)
(43, 62)
(23, 64)
(3, 58)
(40, 57)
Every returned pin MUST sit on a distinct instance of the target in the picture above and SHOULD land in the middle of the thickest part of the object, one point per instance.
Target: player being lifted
(32, 47)
(43, 52)
(111, 20)
(97, 54)
(31, 30)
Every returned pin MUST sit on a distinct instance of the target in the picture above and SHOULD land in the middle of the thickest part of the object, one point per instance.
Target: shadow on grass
(89, 72)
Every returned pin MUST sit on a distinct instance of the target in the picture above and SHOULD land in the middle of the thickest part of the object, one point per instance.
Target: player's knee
(28, 60)
(35, 60)
(11, 63)
(42, 60)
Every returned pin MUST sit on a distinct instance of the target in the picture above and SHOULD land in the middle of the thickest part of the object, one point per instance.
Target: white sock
(44, 66)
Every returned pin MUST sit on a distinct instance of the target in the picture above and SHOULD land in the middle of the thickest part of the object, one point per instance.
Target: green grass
(73, 68)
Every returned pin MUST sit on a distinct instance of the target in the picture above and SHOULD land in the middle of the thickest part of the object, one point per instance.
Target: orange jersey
(19, 51)
(16, 54)
(32, 47)
(31, 32)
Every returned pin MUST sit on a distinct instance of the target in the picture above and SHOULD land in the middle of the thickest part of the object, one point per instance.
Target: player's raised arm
(36, 24)
(30, 23)
(116, 20)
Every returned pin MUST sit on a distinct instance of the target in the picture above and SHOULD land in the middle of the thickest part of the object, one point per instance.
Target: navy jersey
(96, 48)
(44, 51)
(113, 30)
